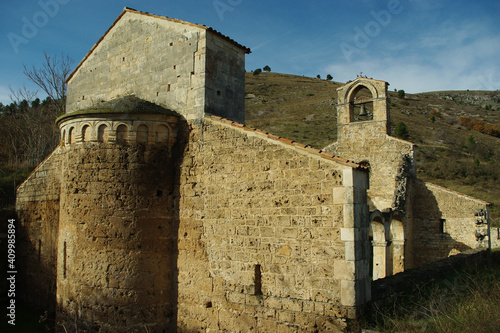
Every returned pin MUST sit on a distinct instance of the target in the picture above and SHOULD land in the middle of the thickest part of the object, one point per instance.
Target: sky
(415, 45)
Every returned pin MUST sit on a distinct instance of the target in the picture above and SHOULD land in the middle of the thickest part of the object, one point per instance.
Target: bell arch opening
(361, 104)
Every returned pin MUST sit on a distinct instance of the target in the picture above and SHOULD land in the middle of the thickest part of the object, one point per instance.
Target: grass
(303, 109)
(467, 300)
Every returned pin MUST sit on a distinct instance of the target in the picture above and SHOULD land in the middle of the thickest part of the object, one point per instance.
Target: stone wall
(445, 223)
(37, 207)
(266, 235)
(156, 60)
(117, 238)
(391, 160)
(225, 79)
(174, 64)
(495, 237)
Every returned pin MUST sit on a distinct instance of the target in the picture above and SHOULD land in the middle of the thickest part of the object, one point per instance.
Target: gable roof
(290, 143)
(130, 10)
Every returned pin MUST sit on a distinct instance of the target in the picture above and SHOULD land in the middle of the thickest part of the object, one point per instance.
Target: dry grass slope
(449, 154)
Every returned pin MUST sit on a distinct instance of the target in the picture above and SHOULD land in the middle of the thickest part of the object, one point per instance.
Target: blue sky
(415, 45)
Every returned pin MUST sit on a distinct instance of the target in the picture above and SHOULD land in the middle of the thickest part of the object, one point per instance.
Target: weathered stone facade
(154, 213)
(181, 66)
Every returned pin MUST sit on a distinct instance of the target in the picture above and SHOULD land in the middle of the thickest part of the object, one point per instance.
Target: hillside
(448, 153)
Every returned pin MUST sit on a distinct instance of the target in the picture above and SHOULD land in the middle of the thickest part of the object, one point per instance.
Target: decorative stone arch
(71, 135)
(142, 133)
(396, 262)
(346, 94)
(86, 132)
(63, 137)
(162, 134)
(378, 248)
(121, 131)
(103, 131)
(352, 90)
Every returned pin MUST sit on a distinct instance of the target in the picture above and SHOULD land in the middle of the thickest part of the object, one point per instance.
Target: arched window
(86, 133)
(142, 134)
(63, 138)
(71, 135)
(121, 134)
(102, 133)
(161, 134)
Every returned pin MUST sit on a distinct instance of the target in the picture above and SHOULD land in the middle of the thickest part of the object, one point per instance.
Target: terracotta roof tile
(272, 136)
(307, 148)
(286, 141)
(300, 145)
(235, 124)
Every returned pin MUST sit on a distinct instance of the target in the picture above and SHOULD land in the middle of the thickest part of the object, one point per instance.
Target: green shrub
(402, 131)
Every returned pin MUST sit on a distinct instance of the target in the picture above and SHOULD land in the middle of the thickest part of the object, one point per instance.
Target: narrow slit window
(442, 226)
(64, 259)
(258, 280)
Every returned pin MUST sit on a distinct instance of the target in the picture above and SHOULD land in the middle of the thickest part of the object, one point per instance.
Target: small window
(258, 280)
(442, 226)
(65, 255)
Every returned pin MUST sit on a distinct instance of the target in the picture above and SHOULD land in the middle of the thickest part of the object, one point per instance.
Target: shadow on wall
(118, 270)
(37, 255)
(431, 240)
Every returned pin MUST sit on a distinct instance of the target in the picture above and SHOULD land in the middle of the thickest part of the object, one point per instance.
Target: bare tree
(22, 94)
(51, 78)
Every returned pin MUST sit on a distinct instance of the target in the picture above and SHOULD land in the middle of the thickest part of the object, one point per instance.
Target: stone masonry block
(348, 292)
(344, 270)
(348, 177)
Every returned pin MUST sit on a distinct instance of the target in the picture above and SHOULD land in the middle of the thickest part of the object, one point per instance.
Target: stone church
(161, 211)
